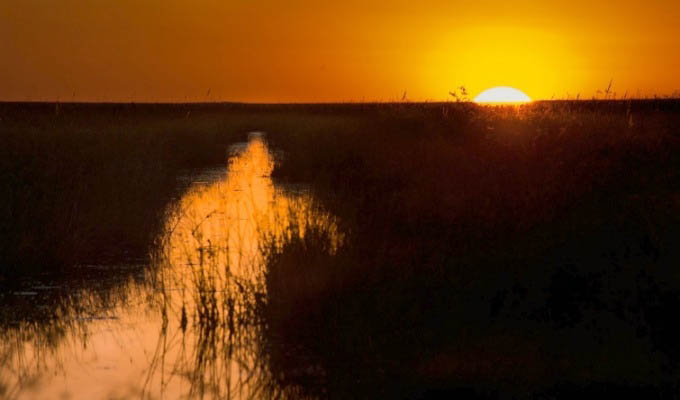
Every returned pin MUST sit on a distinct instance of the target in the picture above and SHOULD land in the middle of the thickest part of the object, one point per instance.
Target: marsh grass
(520, 251)
(488, 251)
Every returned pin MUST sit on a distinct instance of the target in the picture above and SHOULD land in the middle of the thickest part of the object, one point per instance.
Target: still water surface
(186, 326)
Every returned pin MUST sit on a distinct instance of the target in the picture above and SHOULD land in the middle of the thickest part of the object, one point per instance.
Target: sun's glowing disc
(502, 95)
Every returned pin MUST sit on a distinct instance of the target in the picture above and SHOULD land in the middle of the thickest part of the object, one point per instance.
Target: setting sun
(502, 94)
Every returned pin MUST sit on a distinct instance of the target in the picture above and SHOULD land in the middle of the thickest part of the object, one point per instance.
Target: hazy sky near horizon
(299, 51)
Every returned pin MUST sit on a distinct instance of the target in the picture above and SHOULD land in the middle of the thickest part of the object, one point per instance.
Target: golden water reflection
(187, 328)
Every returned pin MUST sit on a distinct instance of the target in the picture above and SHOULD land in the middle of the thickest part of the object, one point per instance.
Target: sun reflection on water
(186, 328)
(225, 222)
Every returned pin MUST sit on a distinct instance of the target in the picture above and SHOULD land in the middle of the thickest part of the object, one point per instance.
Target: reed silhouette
(522, 251)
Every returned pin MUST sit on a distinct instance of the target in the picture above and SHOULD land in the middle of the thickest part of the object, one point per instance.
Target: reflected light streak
(188, 329)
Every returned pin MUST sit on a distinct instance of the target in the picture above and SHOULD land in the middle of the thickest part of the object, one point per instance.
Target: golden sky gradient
(299, 51)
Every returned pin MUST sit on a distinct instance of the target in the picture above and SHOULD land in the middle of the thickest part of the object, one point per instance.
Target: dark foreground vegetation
(519, 251)
(492, 252)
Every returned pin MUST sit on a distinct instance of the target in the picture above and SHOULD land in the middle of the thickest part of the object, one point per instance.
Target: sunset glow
(300, 51)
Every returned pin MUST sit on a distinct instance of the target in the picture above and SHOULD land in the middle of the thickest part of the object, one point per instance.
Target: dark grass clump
(495, 251)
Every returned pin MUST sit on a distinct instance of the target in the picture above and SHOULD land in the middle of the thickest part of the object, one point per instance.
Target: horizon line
(376, 102)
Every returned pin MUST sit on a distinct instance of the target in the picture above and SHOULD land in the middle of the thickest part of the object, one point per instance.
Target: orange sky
(296, 51)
